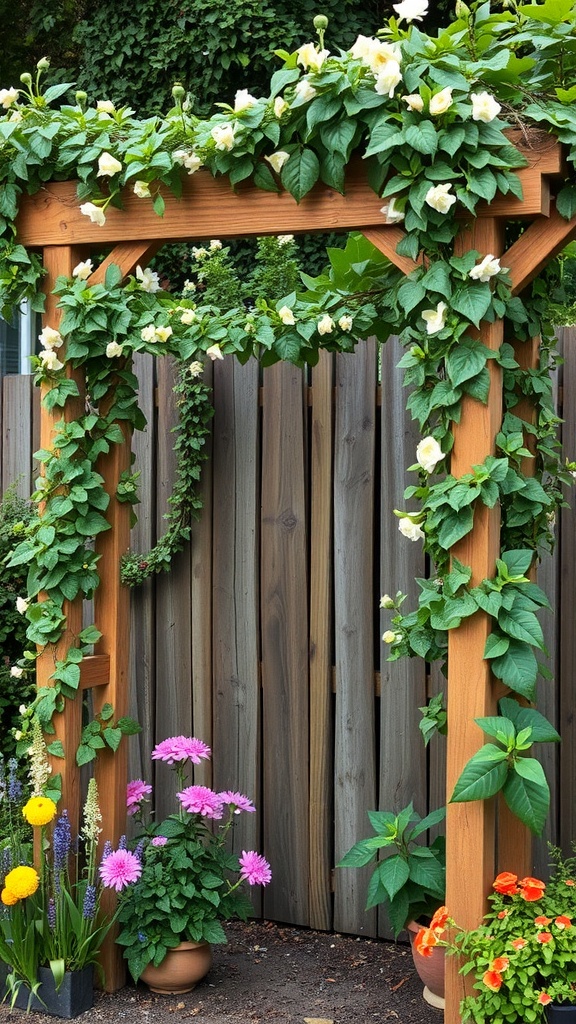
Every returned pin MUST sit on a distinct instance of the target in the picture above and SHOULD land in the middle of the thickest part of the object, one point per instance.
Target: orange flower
(542, 921)
(500, 964)
(425, 941)
(492, 980)
(563, 922)
(544, 999)
(570, 881)
(505, 883)
(532, 883)
(519, 943)
(503, 914)
(438, 922)
(544, 937)
(531, 893)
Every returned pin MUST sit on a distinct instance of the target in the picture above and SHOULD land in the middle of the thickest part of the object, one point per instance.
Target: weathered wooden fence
(264, 640)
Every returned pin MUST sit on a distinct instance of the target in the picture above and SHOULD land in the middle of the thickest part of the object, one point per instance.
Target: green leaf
(410, 294)
(84, 754)
(56, 749)
(518, 561)
(422, 137)
(529, 718)
(473, 301)
(529, 801)
(465, 360)
(112, 737)
(383, 137)
(496, 646)
(517, 668)
(483, 775)
(522, 625)
(454, 526)
(300, 173)
(393, 873)
(113, 277)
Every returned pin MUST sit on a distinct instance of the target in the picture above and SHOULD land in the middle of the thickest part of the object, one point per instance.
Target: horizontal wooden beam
(210, 208)
(94, 671)
(539, 243)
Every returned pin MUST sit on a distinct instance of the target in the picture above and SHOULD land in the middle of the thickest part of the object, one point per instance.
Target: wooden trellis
(51, 221)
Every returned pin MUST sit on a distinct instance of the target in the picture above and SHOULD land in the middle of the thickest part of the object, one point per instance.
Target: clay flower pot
(181, 969)
(430, 969)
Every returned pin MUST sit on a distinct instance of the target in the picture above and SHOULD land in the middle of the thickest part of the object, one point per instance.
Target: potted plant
(409, 881)
(523, 955)
(190, 880)
(51, 928)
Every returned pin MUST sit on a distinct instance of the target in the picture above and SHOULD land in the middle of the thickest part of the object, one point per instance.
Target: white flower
(96, 214)
(108, 165)
(388, 78)
(22, 710)
(189, 286)
(215, 352)
(199, 253)
(410, 529)
(113, 349)
(223, 135)
(435, 318)
(487, 268)
(278, 159)
(285, 239)
(50, 360)
(389, 636)
(386, 601)
(411, 10)
(142, 189)
(439, 198)
(345, 323)
(309, 57)
(484, 107)
(16, 672)
(188, 316)
(163, 333)
(81, 271)
(429, 454)
(215, 244)
(148, 333)
(380, 54)
(287, 316)
(392, 214)
(414, 101)
(304, 91)
(50, 338)
(325, 325)
(149, 281)
(441, 102)
(22, 605)
(280, 106)
(105, 107)
(16, 115)
(192, 163)
(196, 368)
(18, 734)
(362, 47)
(243, 101)
(8, 97)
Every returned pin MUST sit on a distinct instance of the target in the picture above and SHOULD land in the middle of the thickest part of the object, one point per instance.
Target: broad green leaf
(522, 625)
(527, 800)
(531, 769)
(496, 646)
(434, 818)
(497, 726)
(483, 775)
(454, 526)
(393, 873)
(383, 137)
(410, 294)
(422, 137)
(376, 893)
(359, 855)
(300, 173)
(517, 668)
(465, 360)
(518, 561)
(398, 911)
(473, 301)
(524, 718)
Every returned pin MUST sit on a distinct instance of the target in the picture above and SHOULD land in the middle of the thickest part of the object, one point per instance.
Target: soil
(273, 974)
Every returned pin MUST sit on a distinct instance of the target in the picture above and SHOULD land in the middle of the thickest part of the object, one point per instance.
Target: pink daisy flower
(159, 841)
(180, 748)
(254, 868)
(201, 800)
(135, 793)
(239, 802)
(120, 869)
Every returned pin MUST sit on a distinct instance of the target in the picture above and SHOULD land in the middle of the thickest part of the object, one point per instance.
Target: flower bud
(461, 10)
(26, 78)
(320, 22)
(43, 64)
(81, 98)
(178, 92)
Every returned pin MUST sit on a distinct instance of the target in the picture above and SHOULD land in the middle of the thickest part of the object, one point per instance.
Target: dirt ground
(281, 975)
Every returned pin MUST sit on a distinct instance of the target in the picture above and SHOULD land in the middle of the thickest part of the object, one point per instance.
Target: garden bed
(284, 975)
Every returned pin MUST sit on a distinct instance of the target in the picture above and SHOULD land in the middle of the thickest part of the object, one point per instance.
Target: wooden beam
(386, 239)
(539, 243)
(127, 256)
(94, 671)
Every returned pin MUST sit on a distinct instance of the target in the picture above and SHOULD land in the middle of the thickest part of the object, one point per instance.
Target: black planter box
(560, 1013)
(75, 995)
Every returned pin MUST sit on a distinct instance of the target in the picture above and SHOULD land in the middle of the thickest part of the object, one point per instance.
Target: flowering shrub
(189, 880)
(523, 955)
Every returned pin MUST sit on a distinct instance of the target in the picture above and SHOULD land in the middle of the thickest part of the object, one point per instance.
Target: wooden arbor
(51, 220)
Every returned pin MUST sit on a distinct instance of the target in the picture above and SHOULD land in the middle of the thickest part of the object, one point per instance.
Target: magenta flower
(240, 802)
(120, 869)
(201, 800)
(254, 868)
(159, 841)
(180, 748)
(135, 793)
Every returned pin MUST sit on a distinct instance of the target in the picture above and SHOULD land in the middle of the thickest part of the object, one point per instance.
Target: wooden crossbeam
(127, 256)
(386, 239)
(539, 243)
(94, 671)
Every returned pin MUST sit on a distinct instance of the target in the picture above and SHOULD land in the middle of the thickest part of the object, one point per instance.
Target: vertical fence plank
(403, 683)
(17, 418)
(566, 562)
(235, 590)
(354, 753)
(284, 646)
(321, 630)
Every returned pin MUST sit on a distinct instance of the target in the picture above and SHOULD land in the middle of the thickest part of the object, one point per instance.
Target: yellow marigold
(8, 898)
(39, 810)
(21, 882)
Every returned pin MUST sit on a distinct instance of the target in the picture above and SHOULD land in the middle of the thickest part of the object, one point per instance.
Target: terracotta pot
(430, 969)
(181, 969)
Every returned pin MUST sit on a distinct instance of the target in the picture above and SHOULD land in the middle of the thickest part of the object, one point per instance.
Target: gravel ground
(281, 975)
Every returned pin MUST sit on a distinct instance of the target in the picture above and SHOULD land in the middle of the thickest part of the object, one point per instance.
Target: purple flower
(180, 748)
(201, 800)
(14, 784)
(139, 850)
(120, 869)
(107, 850)
(61, 842)
(159, 841)
(135, 793)
(238, 801)
(254, 868)
(122, 843)
(89, 904)
(51, 914)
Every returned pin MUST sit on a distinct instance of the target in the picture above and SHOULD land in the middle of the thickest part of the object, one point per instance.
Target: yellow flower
(39, 810)
(21, 882)
(8, 898)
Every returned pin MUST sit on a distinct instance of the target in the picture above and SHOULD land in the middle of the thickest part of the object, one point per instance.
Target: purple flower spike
(61, 842)
(89, 905)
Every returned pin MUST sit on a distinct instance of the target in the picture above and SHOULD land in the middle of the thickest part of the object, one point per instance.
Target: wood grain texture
(566, 563)
(354, 734)
(538, 244)
(284, 623)
(17, 427)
